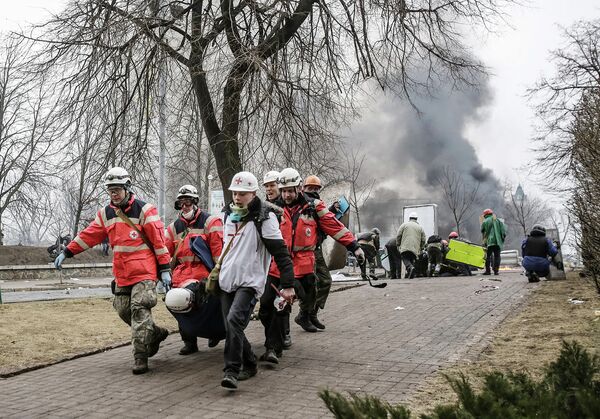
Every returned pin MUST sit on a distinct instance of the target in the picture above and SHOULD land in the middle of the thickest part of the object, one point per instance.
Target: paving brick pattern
(368, 346)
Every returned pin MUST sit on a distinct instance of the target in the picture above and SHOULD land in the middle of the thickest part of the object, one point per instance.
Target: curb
(51, 288)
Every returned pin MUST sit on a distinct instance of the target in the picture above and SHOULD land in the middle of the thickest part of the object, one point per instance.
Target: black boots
(188, 348)
(140, 366)
(315, 321)
(303, 320)
(269, 356)
(287, 341)
(160, 334)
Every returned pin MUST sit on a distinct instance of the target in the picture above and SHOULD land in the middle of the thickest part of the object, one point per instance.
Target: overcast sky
(517, 57)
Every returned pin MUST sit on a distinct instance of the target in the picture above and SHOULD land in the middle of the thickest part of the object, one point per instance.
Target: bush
(569, 389)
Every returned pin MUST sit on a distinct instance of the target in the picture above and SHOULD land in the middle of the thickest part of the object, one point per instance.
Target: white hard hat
(271, 176)
(117, 176)
(188, 191)
(244, 182)
(289, 177)
(179, 300)
(413, 215)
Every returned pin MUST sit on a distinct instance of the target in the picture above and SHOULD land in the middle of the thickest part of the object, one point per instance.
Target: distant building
(519, 195)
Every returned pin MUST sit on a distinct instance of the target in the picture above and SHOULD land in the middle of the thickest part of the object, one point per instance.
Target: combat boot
(303, 321)
(269, 356)
(247, 371)
(315, 321)
(188, 348)
(140, 366)
(160, 334)
(287, 341)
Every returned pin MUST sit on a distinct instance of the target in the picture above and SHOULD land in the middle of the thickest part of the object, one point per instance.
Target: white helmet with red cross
(244, 182)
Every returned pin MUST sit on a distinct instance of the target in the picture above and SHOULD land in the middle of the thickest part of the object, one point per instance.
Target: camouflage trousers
(134, 304)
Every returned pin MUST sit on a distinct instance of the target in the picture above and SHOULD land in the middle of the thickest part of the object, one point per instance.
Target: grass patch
(527, 341)
(39, 333)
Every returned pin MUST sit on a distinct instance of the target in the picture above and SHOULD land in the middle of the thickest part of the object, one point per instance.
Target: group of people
(266, 251)
(426, 256)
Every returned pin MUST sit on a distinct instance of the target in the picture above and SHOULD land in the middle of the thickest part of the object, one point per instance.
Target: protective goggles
(284, 180)
(116, 177)
(185, 191)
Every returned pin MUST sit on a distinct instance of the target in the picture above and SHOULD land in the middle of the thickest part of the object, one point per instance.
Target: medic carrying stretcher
(194, 240)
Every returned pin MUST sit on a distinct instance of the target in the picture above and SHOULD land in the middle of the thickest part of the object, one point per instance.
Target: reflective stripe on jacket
(133, 261)
(303, 239)
(189, 266)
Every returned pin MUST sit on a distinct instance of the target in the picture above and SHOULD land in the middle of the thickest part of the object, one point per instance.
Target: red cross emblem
(238, 180)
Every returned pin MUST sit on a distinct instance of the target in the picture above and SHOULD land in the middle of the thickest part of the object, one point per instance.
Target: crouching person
(537, 248)
(251, 237)
(135, 233)
(197, 314)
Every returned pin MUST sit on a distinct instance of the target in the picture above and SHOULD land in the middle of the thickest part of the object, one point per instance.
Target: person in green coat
(494, 233)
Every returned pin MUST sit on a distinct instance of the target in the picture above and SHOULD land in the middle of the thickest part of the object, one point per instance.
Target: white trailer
(427, 217)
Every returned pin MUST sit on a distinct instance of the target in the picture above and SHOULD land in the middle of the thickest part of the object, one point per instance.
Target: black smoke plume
(406, 152)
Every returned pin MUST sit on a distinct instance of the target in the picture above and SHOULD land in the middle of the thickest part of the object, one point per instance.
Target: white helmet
(289, 177)
(179, 300)
(413, 216)
(271, 176)
(244, 182)
(187, 191)
(117, 176)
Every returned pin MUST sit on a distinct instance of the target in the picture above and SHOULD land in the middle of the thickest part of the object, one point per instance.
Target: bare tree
(459, 195)
(32, 221)
(562, 222)
(568, 106)
(278, 75)
(525, 211)
(27, 126)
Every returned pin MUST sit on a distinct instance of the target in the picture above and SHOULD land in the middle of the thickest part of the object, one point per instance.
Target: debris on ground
(338, 276)
(576, 301)
(399, 308)
(491, 279)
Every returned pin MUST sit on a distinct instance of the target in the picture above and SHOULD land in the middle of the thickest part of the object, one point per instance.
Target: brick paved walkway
(368, 346)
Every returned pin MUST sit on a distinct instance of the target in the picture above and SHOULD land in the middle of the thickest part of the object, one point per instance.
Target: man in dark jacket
(394, 259)
(537, 248)
(369, 243)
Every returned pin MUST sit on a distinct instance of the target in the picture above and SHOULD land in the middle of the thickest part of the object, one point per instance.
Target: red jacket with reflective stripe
(303, 239)
(189, 266)
(133, 261)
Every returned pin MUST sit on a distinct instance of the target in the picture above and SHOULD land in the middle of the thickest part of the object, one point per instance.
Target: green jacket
(493, 231)
(410, 238)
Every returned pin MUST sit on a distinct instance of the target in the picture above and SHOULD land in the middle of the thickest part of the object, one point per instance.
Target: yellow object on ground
(467, 253)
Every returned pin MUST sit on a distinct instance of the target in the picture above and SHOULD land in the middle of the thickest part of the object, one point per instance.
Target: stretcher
(204, 321)
(467, 253)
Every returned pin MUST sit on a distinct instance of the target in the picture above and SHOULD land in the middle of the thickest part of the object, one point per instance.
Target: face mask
(237, 213)
(314, 195)
(190, 214)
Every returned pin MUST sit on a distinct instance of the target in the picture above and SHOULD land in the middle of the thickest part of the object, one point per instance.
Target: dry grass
(43, 332)
(526, 341)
